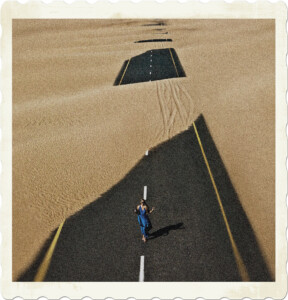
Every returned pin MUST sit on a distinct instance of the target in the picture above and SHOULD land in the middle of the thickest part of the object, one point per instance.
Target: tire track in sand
(176, 106)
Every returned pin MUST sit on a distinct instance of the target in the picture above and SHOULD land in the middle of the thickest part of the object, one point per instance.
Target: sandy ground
(75, 135)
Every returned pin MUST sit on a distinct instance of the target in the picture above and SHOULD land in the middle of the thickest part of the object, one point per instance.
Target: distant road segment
(150, 66)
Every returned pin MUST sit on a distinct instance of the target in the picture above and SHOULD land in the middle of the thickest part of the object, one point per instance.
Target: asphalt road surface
(154, 40)
(155, 24)
(152, 65)
(189, 239)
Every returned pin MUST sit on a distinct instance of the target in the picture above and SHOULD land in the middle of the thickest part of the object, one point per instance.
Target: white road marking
(146, 153)
(150, 73)
(141, 273)
(145, 192)
(150, 66)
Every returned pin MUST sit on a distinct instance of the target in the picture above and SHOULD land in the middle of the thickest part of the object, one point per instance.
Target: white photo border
(145, 9)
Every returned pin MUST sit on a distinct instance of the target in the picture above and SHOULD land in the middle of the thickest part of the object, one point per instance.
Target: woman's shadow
(165, 230)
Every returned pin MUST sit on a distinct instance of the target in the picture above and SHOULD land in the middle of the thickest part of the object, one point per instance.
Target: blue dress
(144, 222)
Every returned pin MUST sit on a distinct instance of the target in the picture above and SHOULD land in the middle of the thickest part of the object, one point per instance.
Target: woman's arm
(151, 210)
(136, 210)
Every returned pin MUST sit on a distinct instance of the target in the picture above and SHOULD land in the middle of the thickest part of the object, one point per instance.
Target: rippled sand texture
(75, 135)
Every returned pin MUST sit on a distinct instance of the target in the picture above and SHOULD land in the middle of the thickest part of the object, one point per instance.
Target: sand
(75, 135)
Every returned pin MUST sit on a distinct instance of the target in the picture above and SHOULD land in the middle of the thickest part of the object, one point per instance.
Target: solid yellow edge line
(239, 261)
(173, 62)
(41, 273)
(124, 72)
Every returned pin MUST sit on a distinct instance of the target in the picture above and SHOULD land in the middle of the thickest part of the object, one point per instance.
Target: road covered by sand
(75, 135)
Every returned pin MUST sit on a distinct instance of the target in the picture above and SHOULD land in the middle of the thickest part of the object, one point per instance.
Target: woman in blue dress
(142, 211)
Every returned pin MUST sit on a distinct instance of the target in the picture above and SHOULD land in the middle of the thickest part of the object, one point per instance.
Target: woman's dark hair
(145, 203)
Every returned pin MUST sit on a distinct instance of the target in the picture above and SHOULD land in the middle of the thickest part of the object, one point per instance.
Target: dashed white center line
(151, 64)
(145, 192)
(141, 273)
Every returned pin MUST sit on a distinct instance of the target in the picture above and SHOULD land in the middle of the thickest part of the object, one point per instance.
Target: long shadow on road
(102, 242)
(165, 231)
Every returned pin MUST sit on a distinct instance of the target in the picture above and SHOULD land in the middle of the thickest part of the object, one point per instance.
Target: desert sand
(75, 135)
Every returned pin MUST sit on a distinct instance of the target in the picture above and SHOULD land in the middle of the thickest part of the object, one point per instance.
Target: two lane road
(155, 64)
(189, 242)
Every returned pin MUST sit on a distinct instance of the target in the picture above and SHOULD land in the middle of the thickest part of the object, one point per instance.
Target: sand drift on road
(102, 242)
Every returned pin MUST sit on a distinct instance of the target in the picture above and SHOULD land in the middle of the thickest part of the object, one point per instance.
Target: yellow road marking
(239, 261)
(40, 276)
(124, 72)
(173, 62)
